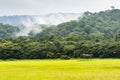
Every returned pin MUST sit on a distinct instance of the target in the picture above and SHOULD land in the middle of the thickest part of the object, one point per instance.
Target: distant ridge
(28, 20)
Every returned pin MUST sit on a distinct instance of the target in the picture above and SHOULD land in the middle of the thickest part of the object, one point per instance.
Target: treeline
(60, 47)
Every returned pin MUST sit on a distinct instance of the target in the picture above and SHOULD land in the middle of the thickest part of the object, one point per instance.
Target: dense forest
(94, 35)
(7, 31)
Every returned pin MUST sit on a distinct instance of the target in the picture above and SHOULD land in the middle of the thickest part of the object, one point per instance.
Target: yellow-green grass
(80, 69)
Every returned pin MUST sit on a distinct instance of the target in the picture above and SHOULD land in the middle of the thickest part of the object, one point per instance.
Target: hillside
(102, 23)
(30, 23)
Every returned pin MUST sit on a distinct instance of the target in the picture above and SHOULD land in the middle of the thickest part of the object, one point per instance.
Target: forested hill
(102, 23)
(95, 35)
(90, 24)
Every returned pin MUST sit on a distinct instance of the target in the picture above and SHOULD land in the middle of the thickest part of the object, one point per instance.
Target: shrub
(65, 57)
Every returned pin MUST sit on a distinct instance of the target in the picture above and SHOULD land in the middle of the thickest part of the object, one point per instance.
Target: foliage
(95, 35)
(7, 31)
(99, 24)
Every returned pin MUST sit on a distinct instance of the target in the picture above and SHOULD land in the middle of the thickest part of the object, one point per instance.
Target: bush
(86, 56)
(65, 57)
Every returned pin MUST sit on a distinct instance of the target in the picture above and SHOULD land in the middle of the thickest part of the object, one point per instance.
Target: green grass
(80, 69)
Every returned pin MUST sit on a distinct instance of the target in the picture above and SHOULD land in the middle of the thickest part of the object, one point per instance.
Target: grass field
(80, 69)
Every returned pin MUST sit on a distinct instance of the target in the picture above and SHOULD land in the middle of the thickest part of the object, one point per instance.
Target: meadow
(76, 69)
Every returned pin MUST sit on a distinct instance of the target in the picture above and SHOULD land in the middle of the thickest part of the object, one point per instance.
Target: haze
(38, 7)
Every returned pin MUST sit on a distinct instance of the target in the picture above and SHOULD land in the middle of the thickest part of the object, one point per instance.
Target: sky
(40, 7)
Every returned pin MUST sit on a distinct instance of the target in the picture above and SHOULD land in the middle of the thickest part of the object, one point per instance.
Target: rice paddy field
(79, 69)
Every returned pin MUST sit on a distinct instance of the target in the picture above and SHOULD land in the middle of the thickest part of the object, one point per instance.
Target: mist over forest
(27, 23)
(75, 35)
